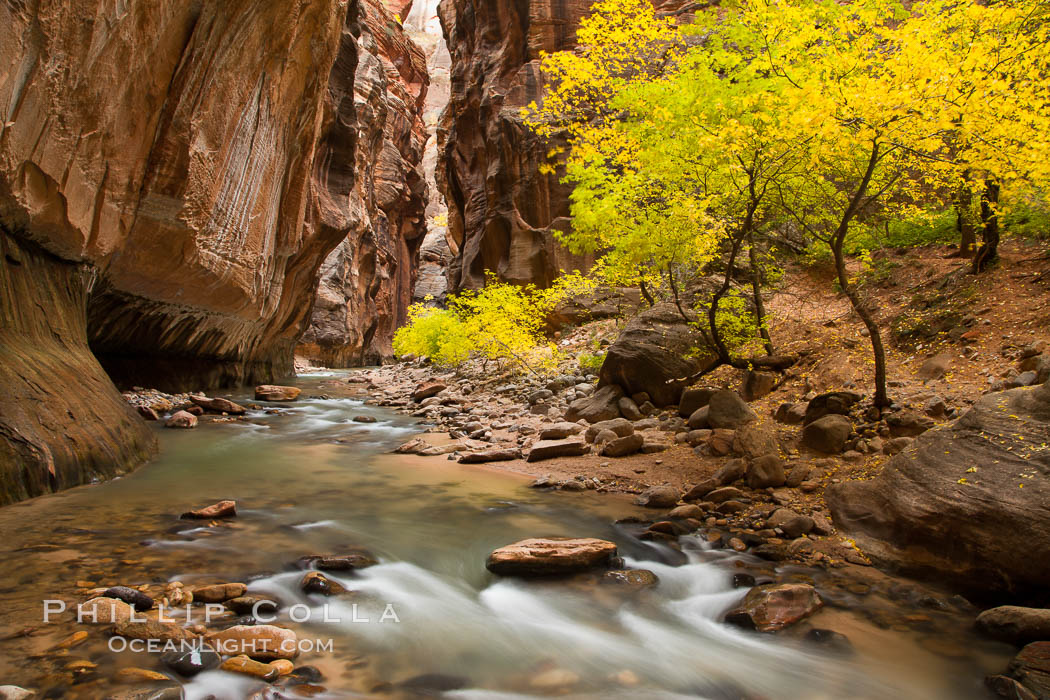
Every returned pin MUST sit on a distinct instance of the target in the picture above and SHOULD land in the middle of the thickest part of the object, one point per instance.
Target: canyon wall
(502, 209)
(367, 281)
(172, 175)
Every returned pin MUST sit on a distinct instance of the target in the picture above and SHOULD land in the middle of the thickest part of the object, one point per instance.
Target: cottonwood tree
(688, 142)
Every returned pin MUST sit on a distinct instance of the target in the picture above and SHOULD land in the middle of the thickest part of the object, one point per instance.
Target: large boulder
(1015, 624)
(551, 449)
(827, 434)
(655, 354)
(606, 302)
(727, 410)
(773, 607)
(694, 399)
(1031, 667)
(838, 402)
(966, 503)
(551, 556)
(602, 405)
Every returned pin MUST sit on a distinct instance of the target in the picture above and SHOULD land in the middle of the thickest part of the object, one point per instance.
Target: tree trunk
(646, 295)
(756, 288)
(878, 350)
(964, 223)
(989, 250)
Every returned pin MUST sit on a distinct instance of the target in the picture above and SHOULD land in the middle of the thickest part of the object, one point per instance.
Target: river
(311, 480)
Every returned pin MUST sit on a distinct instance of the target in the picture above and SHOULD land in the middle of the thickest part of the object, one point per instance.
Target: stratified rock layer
(173, 174)
(377, 132)
(502, 208)
(967, 503)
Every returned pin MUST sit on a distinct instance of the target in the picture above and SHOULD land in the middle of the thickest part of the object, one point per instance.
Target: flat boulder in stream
(551, 557)
(260, 642)
(337, 562)
(181, 420)
(219, 405)
(774, 606)
(222, 509)
(272, 392)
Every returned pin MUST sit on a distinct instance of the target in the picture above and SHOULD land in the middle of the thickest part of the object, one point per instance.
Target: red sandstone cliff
(367, 281)
(172, 175)
(502, 210)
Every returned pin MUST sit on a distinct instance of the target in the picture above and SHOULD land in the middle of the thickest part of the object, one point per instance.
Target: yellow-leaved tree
(688, 142)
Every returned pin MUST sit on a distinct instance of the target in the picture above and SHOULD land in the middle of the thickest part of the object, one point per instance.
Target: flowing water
(311, 480)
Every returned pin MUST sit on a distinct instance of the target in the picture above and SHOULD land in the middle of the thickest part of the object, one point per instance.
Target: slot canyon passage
(219, 480)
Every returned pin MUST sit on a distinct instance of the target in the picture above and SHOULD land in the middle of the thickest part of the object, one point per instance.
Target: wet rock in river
(244, 664)
(365, 419)
(316, 582)
(1031, 667)
(181, 420)
(104, 611)
(659, 497)
(270, 392)
(551, 556)
(132, 674)
(219, 405)
(222, 509)
(193, 661)
(1015, 624)
(261, 642)
(550, 449)
(138, 599)
(219, 593)
(251, 605)
(152, 629)
(829, 639)
(434, 683)
(773, 607)
(338, 562)
(1009, 689)
(631, 578)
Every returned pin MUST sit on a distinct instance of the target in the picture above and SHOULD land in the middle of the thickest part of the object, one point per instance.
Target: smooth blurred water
(311, 480)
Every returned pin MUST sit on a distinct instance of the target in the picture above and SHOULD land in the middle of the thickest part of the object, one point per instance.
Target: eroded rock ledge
(172, 175)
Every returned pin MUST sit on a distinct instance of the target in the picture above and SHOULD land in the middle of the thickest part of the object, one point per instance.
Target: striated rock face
(172, 175)
(966, 503)
(169, 146)
(45, 364)
(502, 209)
(377, 204)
